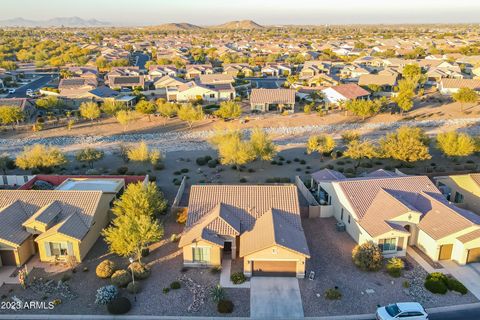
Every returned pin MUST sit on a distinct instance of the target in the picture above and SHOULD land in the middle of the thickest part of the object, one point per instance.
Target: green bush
(212, 163)
(166, 290)
(134, 287)
(105, 269)
(333, 294)
(121, 278)
(217, 293)
(122, 170)
(201, 161)
(395, 266)
(436, 285)
(237, 277)
(455, 285)
(175, 285)
(119, 305)
(225, 306)
(140, 271)
(437, 275)
(367, 256)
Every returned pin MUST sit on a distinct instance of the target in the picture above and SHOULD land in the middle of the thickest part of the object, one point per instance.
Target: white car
(11, 91)
(29, 92)
(402, 310)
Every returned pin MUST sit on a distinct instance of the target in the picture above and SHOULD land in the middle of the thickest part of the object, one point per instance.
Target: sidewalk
(225, 281)
(425, 265)
(468, 274)
(5, 275)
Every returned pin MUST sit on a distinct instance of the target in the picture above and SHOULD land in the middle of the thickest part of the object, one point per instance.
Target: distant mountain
(239, 25)
(55, 22)
(176, 27)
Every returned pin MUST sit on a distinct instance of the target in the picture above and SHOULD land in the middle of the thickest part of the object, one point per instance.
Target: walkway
(225, 281)
(468, 274)
(419, 259)
(275, 298)
(5, 275)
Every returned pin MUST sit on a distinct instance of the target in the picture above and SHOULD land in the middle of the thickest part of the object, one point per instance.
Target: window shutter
(69, 249)
(48, 253)
(400, 244)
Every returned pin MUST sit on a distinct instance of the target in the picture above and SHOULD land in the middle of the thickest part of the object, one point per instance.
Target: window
(201, 254)
(58, 248)
(212, 95)
(341, 215)
(458, 197)
(348, 218)
(388, 244)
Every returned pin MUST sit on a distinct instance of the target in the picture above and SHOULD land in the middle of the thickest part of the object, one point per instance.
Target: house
(450, 86)
(84, 72)
(352, 72)
(314, 68)
(237, 69)
(25, 105)
(463, 190)
(194, 70)
(396, 211)
(116, 82)
(276, 70)
(257, 223)
(214, 78)
(321, 79)
(156, 72)
(385, 83)
(192, 91)
(77, 86)
(265, 100)
(168, 81)
(58, 224)
(344, 92)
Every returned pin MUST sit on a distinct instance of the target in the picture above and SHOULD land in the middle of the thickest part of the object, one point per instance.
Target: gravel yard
(331, 260)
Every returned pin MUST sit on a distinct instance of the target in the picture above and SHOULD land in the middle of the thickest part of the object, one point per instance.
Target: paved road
(34, 85)
(140, 59)
(267, 83)
(473, 314)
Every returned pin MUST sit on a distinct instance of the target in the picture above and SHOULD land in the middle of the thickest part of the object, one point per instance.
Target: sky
(266, 12)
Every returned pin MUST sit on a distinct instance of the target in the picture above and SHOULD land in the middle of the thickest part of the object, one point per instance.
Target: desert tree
(10, 115)
(89, 155)
(229, 110)
(407, 144)
(90, 110)
(232, 148)
(112, 107)
(40, 157)
(262, 145)
(48, 103)
(405, 94)
(141, 153)
(454, 144)
(167, 110)
(323, 144)
(465, 96)
(146, 107)
(190, 114)
(125, 117)
(360, 150)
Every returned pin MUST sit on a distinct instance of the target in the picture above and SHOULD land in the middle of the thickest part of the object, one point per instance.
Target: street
(140, 59)
(34, 85)
(466, 314)
(266, 83)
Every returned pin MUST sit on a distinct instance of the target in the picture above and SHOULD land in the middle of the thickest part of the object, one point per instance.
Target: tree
(166, 109)
(10, 115)
(141, 153)
(262, 145)
(465, 95)
(135, 225)
(455, 144)
(232, 149)
(367, 256)
(407, 144)
(48, 102)
(405, 94)
(412, 71)
(364, 108)
(89, 155)
(90, 110)
(40, 157)
(323, 144)
(190, 114)
(229, 110)
(146, 107)
(359, 150)
(124, 117)
(6, 163)
(111, 107)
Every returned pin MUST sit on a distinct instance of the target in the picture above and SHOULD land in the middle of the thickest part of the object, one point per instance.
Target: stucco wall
(215, 254)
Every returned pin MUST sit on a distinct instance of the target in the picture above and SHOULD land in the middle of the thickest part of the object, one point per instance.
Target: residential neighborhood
(270, 167)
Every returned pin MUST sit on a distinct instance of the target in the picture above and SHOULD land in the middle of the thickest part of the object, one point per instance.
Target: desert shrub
(455, 285)
(166, 290)
(367, 256)
(119, 305)
(243, 180)
(212, 163)
(217, 293)
(201, 161)
(303, 161)
(437, 275)
(106, 294)
(237, 277)
(121, 278)
(182, 215)
(216, 269)
(140, 271)
(406, 284)
(436, 285)
(333, 294)
(278, 180)
(395, 266)
(105, 269)
(225, 306)
(175, 285)
(159, 166)
(134, 287)
(122, 170)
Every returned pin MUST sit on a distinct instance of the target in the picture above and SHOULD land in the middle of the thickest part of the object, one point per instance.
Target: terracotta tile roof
(381, 173)
(351, 91)
(377, 79)
(461, 83)
(215, 78)
(469, 236)
(273, 96)
(327, 175)
(12, 216)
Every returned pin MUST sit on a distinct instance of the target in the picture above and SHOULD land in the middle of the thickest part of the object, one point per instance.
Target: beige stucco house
(396, 211)
(463, 190)
(257, 223)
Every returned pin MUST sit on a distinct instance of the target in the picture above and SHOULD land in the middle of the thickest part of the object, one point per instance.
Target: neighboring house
(194, 70)
(352, 72)
(257, 223)
(385, 83)
(131, 82)
(344, 92)
(192, 91)
(168, 82)
(265, 100)
(26, 105)
(314, 68)
(463, 190)
(234, 69)
(76, 87)
(156, 72)
(276, 70)
(84, 72)
(55, 224)
(450, 86)
(396, 211)
(214, 78)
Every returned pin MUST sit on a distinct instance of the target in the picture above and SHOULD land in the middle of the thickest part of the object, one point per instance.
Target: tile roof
(12, 216)
(469, 236)
(273, 96)
(461, 83)
(327, 175)
(216, 78)
(377, 79)
(351, 91)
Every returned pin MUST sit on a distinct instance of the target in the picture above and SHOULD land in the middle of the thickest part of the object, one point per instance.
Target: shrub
(121, 278)
(436, 285)
(134, 287)
(455, 285)
(333, 294)
(175, 285)
(216, 269)
(243, 180)
(159, 166)
(140, 271)
(437, 275)
(184, 170)
(212, 163)
(395, 266)
(175, 237)
(237, 277)
(201, 161)
(367, 256)
(105, 269)
(182, 216)
(119, 305)
(166, 290)
(225, 306)
(106, 294)
(122, 170)
(303, 161)
(217, 293)
(406, 284)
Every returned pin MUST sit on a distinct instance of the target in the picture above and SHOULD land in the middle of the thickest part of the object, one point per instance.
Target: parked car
(11, 91)
(402, 310)
(29, 92)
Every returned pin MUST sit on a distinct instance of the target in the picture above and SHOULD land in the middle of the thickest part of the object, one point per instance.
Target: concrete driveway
(467, 274)
(275, 298)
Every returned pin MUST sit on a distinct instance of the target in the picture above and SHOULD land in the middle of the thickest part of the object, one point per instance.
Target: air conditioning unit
(340, 226)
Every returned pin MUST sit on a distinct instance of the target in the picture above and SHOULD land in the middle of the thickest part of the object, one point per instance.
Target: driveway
(275, 298)
(467, 274)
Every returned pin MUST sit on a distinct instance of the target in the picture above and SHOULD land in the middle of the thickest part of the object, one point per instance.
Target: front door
(445, 252)
(227, 247)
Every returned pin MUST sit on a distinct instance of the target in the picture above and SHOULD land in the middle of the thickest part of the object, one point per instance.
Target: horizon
(280, 12)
